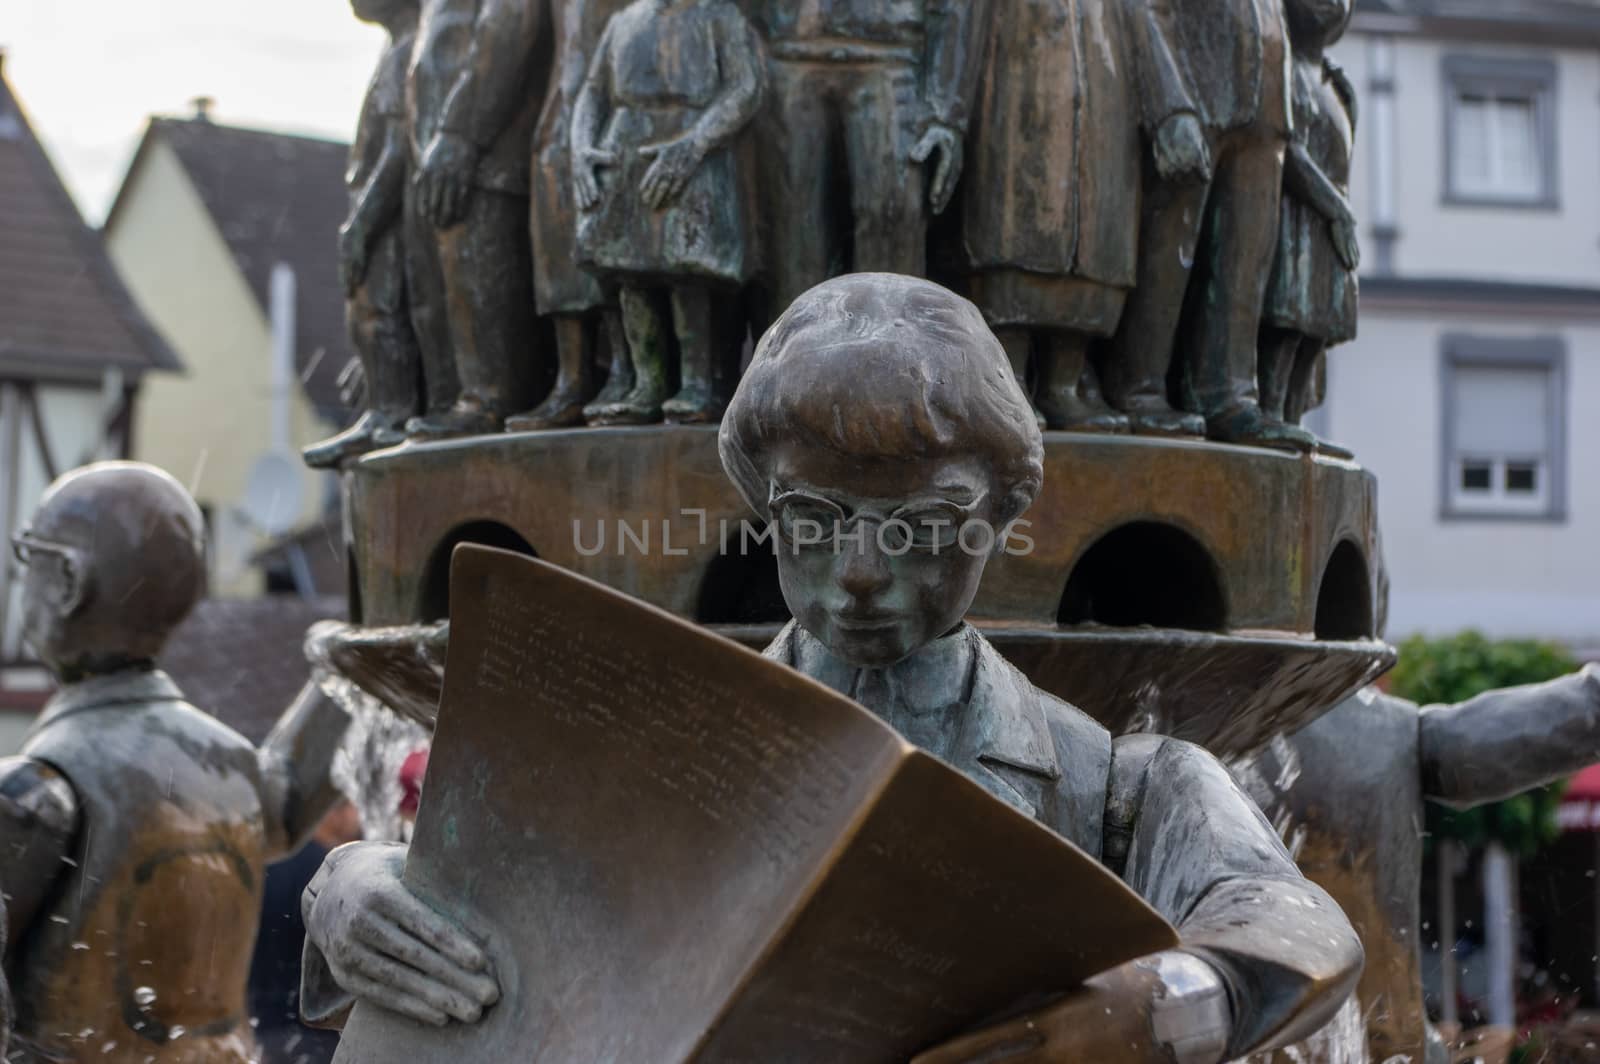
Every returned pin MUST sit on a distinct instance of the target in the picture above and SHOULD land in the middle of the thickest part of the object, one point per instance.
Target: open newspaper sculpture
(678, 850)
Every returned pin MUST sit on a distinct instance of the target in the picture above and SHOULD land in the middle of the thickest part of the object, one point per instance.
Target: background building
(74, 354)
(229, 240)
(1473, 389)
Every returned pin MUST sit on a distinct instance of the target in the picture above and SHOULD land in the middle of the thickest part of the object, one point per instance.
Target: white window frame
(1501, 77)
(1548, 503)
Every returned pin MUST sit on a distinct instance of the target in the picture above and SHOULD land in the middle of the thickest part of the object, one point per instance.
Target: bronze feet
(563, 408)
(371, 432)
(1250, 425)
(1159, 419)
(696, 404)
(467, 418)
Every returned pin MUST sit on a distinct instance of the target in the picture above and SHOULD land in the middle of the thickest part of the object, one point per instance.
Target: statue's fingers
(442, 995)
(419, 921)
(377, 991)
(943, 183)
(389, 940)
(924, 148)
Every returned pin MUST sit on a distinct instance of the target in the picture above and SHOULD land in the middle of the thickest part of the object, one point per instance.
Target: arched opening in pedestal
(1146, 574)
(1344, 601)
(742, 588)
(434, 599)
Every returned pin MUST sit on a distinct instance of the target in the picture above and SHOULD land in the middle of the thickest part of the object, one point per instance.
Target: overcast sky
(90, 72)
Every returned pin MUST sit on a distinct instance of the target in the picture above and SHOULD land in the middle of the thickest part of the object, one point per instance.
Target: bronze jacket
(1169, 819)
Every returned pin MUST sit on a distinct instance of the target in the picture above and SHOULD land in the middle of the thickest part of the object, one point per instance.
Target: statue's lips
(875, 622)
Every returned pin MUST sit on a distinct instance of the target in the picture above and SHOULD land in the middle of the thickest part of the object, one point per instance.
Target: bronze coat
(1052, 185)
(143, 954)
(559, 286)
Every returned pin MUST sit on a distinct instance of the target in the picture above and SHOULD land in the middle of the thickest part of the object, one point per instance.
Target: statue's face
(879, 557)
(49, 594)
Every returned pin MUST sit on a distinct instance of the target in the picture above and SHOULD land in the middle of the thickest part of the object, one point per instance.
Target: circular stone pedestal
(1221, 594)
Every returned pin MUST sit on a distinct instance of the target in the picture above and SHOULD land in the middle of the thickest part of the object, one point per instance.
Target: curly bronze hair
(884, 366)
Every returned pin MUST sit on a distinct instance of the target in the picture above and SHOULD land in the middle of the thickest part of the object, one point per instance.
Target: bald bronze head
(881, 428)
(115, 558)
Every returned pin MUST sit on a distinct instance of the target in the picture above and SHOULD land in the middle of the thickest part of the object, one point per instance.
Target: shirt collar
(130, 686)
(935, 677)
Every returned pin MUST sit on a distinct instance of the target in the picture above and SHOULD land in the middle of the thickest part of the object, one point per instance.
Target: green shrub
(1454, 670)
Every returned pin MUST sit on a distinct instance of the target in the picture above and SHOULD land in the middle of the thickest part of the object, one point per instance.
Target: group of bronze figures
(135, 828)
(535, 183)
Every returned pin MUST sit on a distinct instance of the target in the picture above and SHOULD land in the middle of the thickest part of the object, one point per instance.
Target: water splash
(367, 767)
(388, 680)
(1342, 1041)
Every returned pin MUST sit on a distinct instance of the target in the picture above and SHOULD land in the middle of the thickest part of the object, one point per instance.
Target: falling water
(354, 666)
(1342, 1041)
(367, 766)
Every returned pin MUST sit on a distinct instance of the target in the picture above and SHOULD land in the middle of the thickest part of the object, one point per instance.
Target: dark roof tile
(64, 312)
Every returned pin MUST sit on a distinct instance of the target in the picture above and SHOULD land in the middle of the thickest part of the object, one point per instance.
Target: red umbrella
(1580, 804)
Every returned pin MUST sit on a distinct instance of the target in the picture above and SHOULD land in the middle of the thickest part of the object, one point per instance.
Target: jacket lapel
(1005, 730)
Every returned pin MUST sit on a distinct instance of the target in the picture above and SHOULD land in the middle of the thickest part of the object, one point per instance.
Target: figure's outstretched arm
(296, 761)
(1201, 852)
(1265, 959)
(1504, 742)
(39, 817)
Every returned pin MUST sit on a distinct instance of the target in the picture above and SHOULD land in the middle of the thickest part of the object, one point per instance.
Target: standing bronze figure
(865, 132)
(135, 827)
(1318, 785)
(372, 252)
(478, 78)
(1206, 245)
(1052, 199)
(881, 430)
(574, 299)
(655, 174)
(1312, 295)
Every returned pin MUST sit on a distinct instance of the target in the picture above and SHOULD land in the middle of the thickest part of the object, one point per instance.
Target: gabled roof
(64, 312)
(274, 198)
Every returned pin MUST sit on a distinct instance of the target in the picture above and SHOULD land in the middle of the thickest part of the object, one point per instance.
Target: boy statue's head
(115, 559)
(881, 429)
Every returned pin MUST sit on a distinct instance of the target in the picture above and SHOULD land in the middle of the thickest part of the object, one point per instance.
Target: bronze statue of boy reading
(882, 411)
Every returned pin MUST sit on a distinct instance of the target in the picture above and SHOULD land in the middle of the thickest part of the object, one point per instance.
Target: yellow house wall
(209, 425)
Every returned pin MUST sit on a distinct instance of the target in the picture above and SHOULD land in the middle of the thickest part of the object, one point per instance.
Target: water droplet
(80, 946)
(176, 1032)
(145, 996)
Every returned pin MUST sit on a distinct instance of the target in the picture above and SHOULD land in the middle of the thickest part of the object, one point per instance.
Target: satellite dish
(274, 495)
